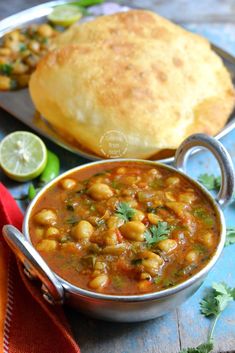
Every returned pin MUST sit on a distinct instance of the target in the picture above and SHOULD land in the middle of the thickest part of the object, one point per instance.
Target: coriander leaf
(207, 180)
(209, 305)
(230, 236)
(217, 299)
(203, 348)
(6, 69)
(218, 182)
(124, 211)
(157, 233)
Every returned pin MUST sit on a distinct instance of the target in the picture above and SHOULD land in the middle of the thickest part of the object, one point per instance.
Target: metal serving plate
(19, 104)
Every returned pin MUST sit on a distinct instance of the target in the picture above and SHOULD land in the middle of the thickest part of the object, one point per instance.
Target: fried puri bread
(136, 74)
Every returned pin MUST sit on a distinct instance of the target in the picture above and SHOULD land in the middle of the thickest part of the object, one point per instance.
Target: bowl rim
(71, 288)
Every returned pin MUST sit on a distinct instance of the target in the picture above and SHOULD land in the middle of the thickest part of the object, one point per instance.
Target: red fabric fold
(29, 324)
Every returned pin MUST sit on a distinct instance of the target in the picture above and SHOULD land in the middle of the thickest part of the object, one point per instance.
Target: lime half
(23, 155)
(65, 15)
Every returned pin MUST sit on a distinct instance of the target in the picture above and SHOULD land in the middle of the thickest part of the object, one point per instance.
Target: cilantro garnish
(230, 236)
(157, 233)
(210, 181)
(213, 304)
(124, 211)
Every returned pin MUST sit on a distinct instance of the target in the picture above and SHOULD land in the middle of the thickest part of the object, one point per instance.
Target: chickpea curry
(132, 228)
(20, 51)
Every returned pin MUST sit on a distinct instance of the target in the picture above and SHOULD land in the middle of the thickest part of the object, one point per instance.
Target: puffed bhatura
(135, 74)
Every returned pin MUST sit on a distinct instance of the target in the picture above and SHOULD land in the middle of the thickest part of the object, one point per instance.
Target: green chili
(86, 3)
(52, 168)
(31, 192)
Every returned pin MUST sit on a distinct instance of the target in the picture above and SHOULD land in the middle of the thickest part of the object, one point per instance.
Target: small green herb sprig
(213, 304)
(157, 233)
(210, 181)
(230, 236)
(124, 211)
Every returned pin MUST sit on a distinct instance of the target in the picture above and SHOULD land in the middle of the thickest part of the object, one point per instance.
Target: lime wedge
(23, 155)
(65, 15)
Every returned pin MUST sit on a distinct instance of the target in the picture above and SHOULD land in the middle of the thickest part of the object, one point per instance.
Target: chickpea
(138, 216)
(100, 266)
(70, 247)
(117, 249)
(111, 237)
(144, 285)
(68, 184)
(47, 245)
(98, 282)
(114, 222)
(45, 217)
(145, 275)
(121, 170)
(207, 239)
(83, 230)
(151, 262)
(151, 265)
(5, 51)
(5, 83)
(187, 197)
(178, 207)
(19, 68)
(151, 255)
(100, 191)
(39, 232)
(45, 30)
(153, 218)
(34, 46)
(133, 230)
(192, 256)
(154, 172)
(172, 181)
(167, 245)
(13, 36)
(52, 232)
(32, 60)
(130, 180)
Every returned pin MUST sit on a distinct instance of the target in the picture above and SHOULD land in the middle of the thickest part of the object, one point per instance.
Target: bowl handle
(34, 265)
(222, 156)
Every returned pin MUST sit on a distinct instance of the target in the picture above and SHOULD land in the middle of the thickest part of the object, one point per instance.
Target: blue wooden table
(184, 326)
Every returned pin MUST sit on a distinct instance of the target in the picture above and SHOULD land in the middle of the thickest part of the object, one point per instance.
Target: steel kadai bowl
(126, 308)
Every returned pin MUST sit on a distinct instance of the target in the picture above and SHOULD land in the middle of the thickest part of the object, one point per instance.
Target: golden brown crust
(135, 73)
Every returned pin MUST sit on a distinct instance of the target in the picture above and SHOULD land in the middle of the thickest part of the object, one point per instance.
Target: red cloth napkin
(27, 323)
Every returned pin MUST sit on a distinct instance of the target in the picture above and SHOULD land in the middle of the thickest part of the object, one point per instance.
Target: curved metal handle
(222, 156)
(34, 265)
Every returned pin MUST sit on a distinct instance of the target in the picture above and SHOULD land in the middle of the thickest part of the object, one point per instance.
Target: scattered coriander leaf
(124, 211)
(216, 300)
(218, 182)
(230, 236)
(207, 180)
(157, 233)
(203, 348)
(213, 304)
(6, 69)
